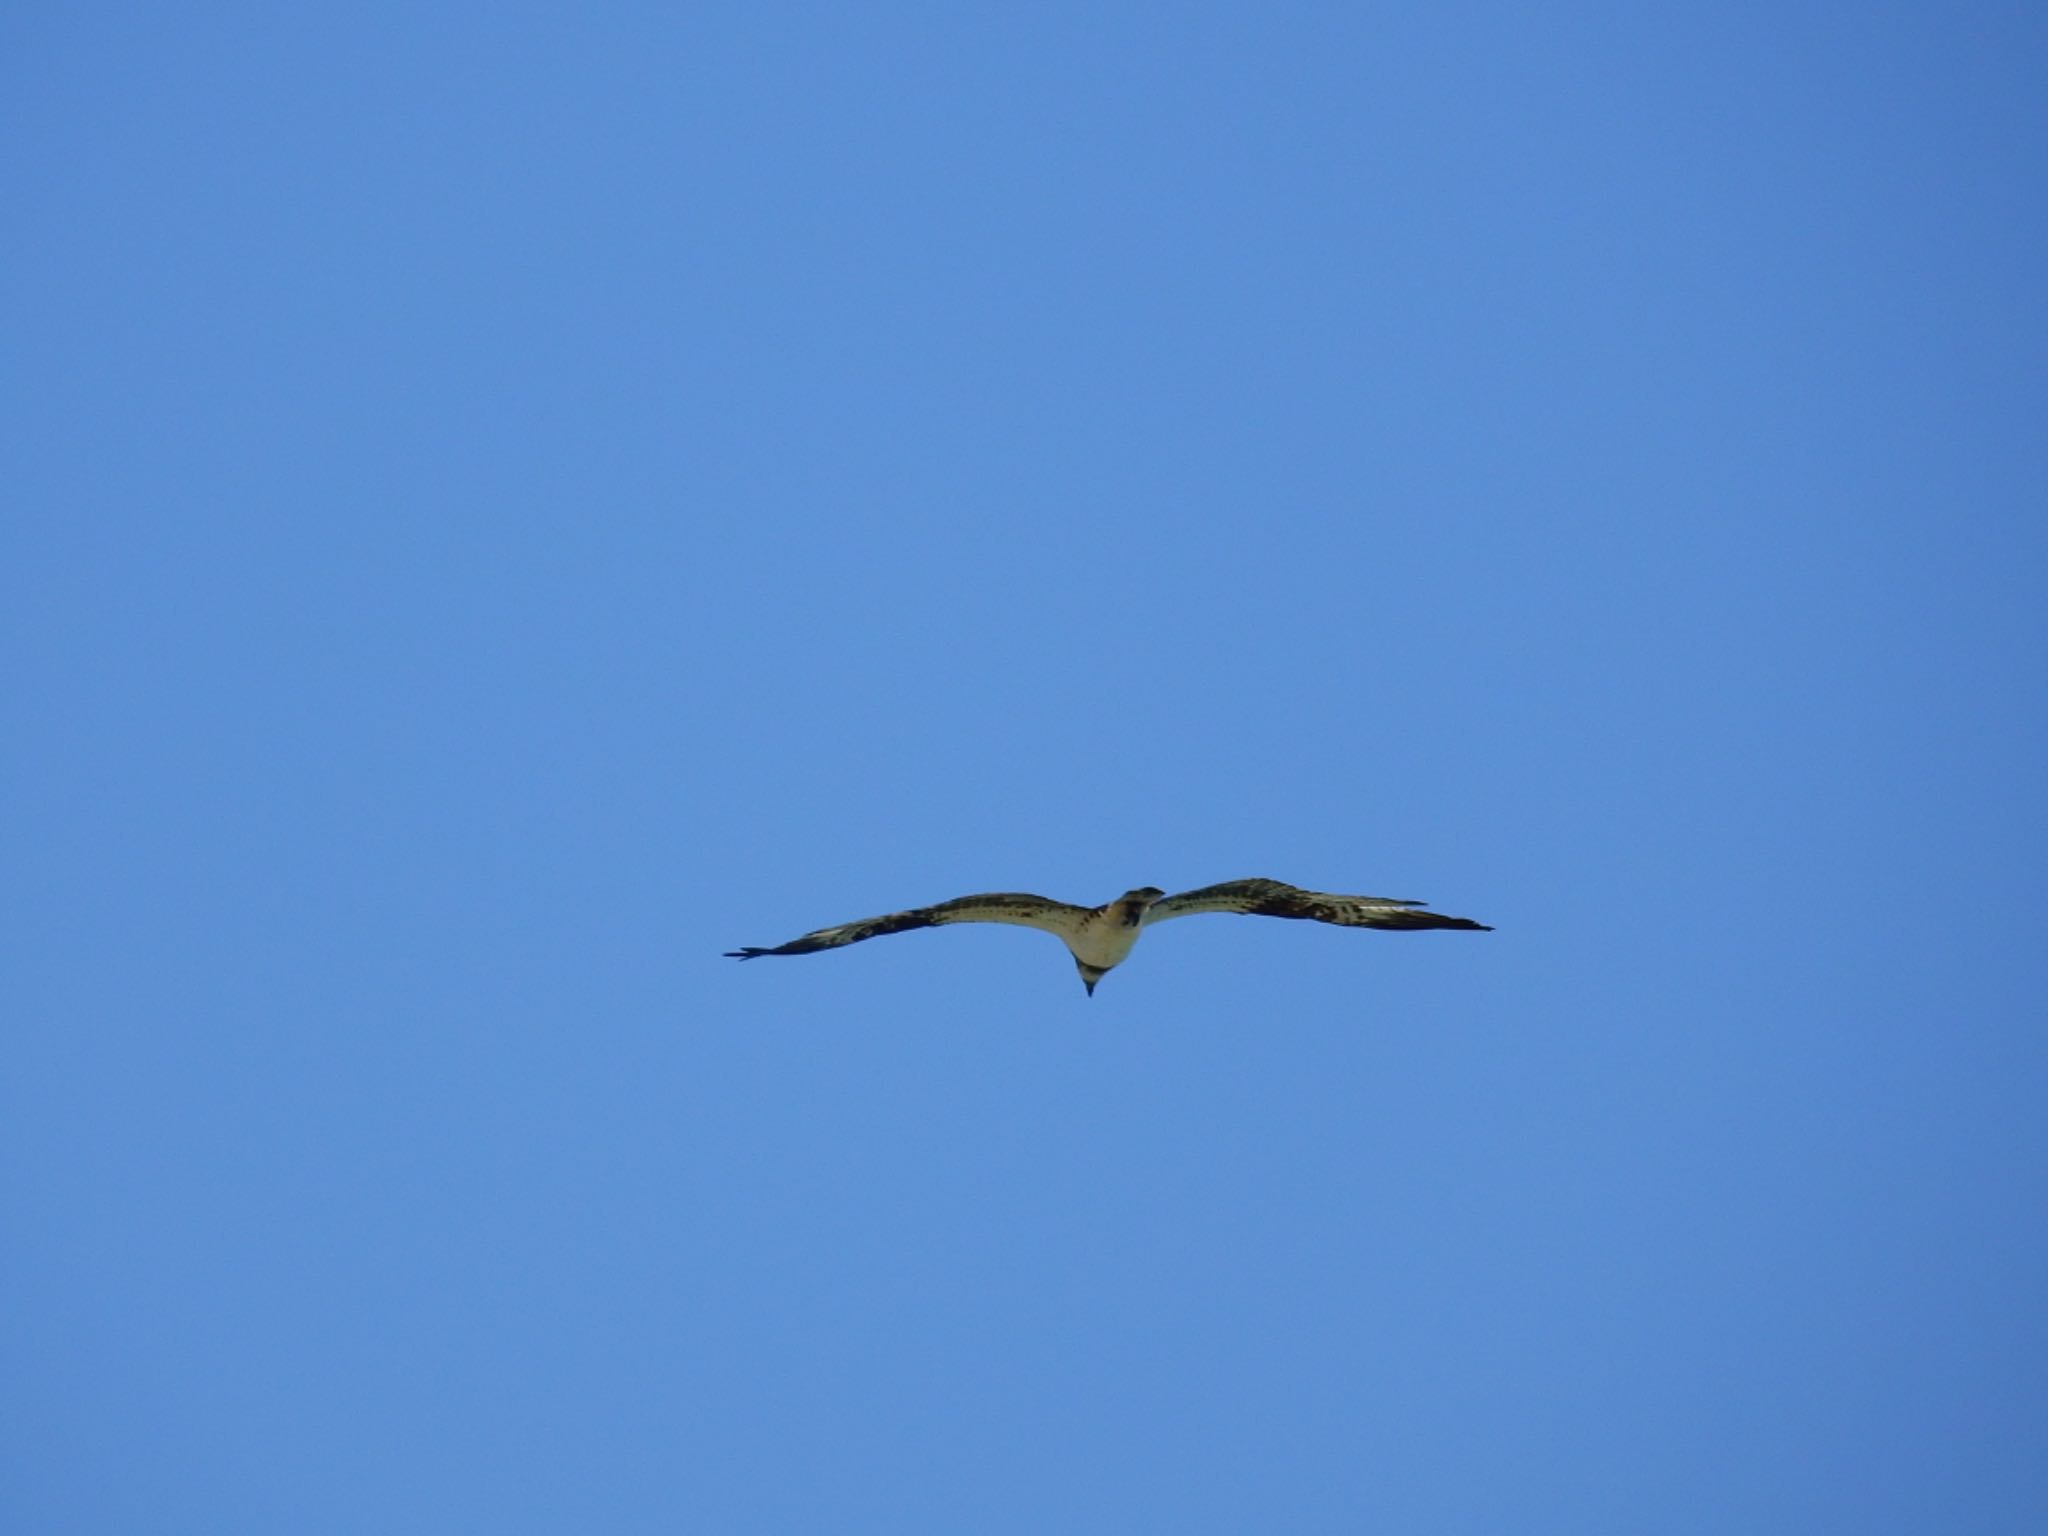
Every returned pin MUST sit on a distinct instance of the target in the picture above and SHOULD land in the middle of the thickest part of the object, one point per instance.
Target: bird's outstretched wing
(1055, 917)
(1276, 898)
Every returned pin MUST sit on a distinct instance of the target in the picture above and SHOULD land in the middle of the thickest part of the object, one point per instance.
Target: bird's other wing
(1276, 898)
(1055, 917)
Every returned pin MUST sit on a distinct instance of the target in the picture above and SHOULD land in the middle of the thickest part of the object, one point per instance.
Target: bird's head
(1130, 908)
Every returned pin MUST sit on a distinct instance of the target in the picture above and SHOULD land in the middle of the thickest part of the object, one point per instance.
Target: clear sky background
(505, 503)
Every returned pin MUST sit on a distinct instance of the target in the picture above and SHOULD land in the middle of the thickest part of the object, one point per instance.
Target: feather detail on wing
(1276, 898)
(1055, 917)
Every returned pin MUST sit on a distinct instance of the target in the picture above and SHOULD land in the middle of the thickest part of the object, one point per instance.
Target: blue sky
(507, 503)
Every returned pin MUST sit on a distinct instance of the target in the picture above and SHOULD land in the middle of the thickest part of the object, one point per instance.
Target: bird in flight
(1100, 937)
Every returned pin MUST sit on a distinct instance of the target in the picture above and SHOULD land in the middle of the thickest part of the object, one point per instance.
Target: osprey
(1100, 937)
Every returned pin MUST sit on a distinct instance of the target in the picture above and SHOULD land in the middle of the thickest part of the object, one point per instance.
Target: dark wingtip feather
(1413, 918)
(749, 953)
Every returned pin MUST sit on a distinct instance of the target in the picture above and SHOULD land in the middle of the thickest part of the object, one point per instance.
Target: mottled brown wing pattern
(844, 933)
(996, 907)
(1276, 898)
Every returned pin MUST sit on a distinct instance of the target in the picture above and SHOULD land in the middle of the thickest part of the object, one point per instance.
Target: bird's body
(1099, 938)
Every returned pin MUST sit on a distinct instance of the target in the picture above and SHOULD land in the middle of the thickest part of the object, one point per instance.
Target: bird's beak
(1089, 985)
